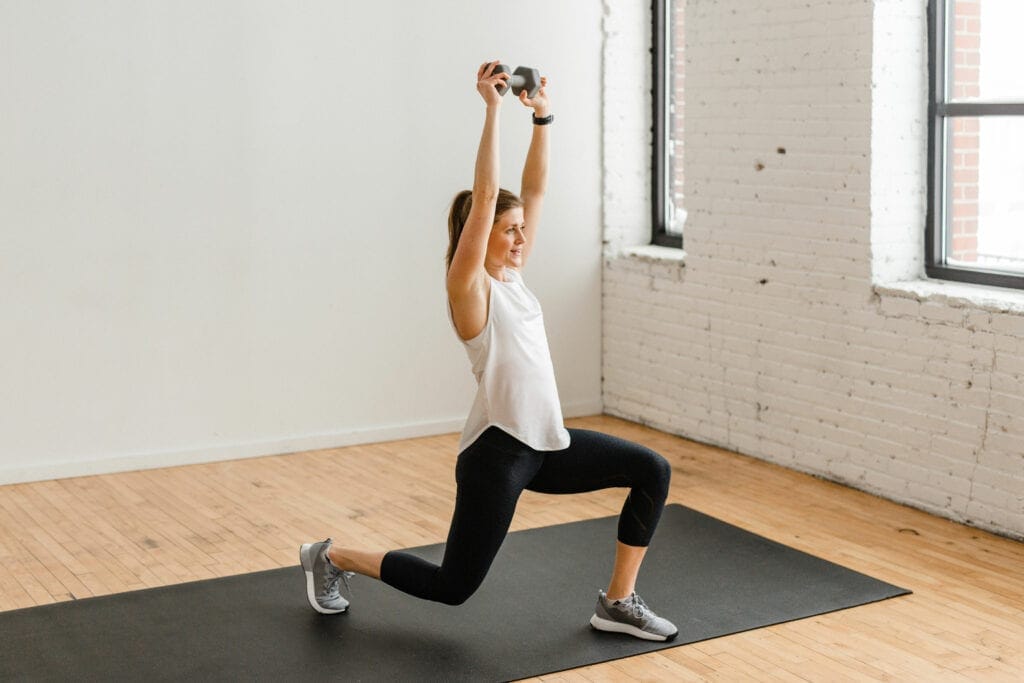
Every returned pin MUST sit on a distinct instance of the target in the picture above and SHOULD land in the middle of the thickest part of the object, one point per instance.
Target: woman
(514, 438)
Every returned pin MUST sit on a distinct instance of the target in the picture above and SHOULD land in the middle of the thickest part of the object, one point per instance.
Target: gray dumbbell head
(526, 78)
(502, 69)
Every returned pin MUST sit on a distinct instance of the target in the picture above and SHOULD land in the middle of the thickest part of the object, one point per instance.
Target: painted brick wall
(804, 171)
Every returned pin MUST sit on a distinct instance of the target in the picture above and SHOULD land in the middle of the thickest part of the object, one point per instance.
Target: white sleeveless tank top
(516, 388)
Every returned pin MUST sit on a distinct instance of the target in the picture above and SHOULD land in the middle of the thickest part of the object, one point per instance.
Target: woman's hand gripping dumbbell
(523, 78)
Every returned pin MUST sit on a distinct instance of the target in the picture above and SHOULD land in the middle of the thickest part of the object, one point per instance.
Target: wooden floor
(74, 538)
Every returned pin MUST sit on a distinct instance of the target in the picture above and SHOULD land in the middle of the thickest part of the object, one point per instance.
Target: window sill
(652, 253)
(957, 295)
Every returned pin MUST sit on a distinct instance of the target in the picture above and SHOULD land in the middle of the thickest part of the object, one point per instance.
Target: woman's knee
(455, 593)
(657, 469)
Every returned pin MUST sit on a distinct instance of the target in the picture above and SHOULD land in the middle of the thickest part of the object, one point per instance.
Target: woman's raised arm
(467, 266)
(535, 171)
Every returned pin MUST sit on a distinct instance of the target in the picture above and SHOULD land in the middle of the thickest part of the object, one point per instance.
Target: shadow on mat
(328, 636)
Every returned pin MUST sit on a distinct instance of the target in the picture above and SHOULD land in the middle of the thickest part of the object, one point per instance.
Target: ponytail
(461, 205)
(459, 214)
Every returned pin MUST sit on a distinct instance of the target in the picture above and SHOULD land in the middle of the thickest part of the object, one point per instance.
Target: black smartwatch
(544, 121)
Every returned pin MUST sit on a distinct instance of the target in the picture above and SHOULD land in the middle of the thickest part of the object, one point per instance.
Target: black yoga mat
(529, 618)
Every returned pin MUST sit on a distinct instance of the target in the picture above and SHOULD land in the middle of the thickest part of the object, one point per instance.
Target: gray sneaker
(631, 615)
(322, 579)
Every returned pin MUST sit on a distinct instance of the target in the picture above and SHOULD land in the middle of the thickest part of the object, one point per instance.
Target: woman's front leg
(628, 559)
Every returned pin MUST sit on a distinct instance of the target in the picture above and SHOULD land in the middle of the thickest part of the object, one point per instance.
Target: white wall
(798, 331)
(222, 225)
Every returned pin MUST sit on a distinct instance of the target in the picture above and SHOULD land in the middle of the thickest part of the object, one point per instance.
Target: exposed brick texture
(804, 185)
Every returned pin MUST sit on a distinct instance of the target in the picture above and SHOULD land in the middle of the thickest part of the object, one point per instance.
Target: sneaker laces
(333, 575)
(638, 606)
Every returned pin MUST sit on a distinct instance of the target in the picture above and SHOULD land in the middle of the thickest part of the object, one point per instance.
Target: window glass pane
(985, 193)
(674, 166)
(986, 50)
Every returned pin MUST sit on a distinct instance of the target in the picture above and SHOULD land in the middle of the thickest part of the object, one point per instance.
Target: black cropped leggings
(492, 473)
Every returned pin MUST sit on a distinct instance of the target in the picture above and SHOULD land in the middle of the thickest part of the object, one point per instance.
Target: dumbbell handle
(524, 78)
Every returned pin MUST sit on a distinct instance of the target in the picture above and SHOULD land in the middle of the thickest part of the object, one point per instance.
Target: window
(975, 223)
(667, 168)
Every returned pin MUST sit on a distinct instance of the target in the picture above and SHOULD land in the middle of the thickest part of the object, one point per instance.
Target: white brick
(991, 517)
(1004, 383)
(900, 308)
(943, 368)
(1006, 343)
(951, 448)
(1008, 324)
(942, 313)
(918, 398)
(878, 481)
(1012, 405)
(1010, 363)
(924, 494)
(999, 481)
(1000, 443)
(978, 321)
(995, 497)
(847, 473)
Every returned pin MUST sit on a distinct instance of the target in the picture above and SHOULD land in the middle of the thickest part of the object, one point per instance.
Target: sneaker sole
(618, 627)
(307, 567)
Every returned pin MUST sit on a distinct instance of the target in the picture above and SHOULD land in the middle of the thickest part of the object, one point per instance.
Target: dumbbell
(523, 78)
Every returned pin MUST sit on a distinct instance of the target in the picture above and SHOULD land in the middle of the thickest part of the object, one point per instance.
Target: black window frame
(939, 139)
(660, 97)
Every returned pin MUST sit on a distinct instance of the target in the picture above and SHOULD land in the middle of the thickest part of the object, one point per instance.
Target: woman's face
(505, 246)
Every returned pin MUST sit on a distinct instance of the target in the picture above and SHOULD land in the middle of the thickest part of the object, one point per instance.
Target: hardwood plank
(74, 538)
